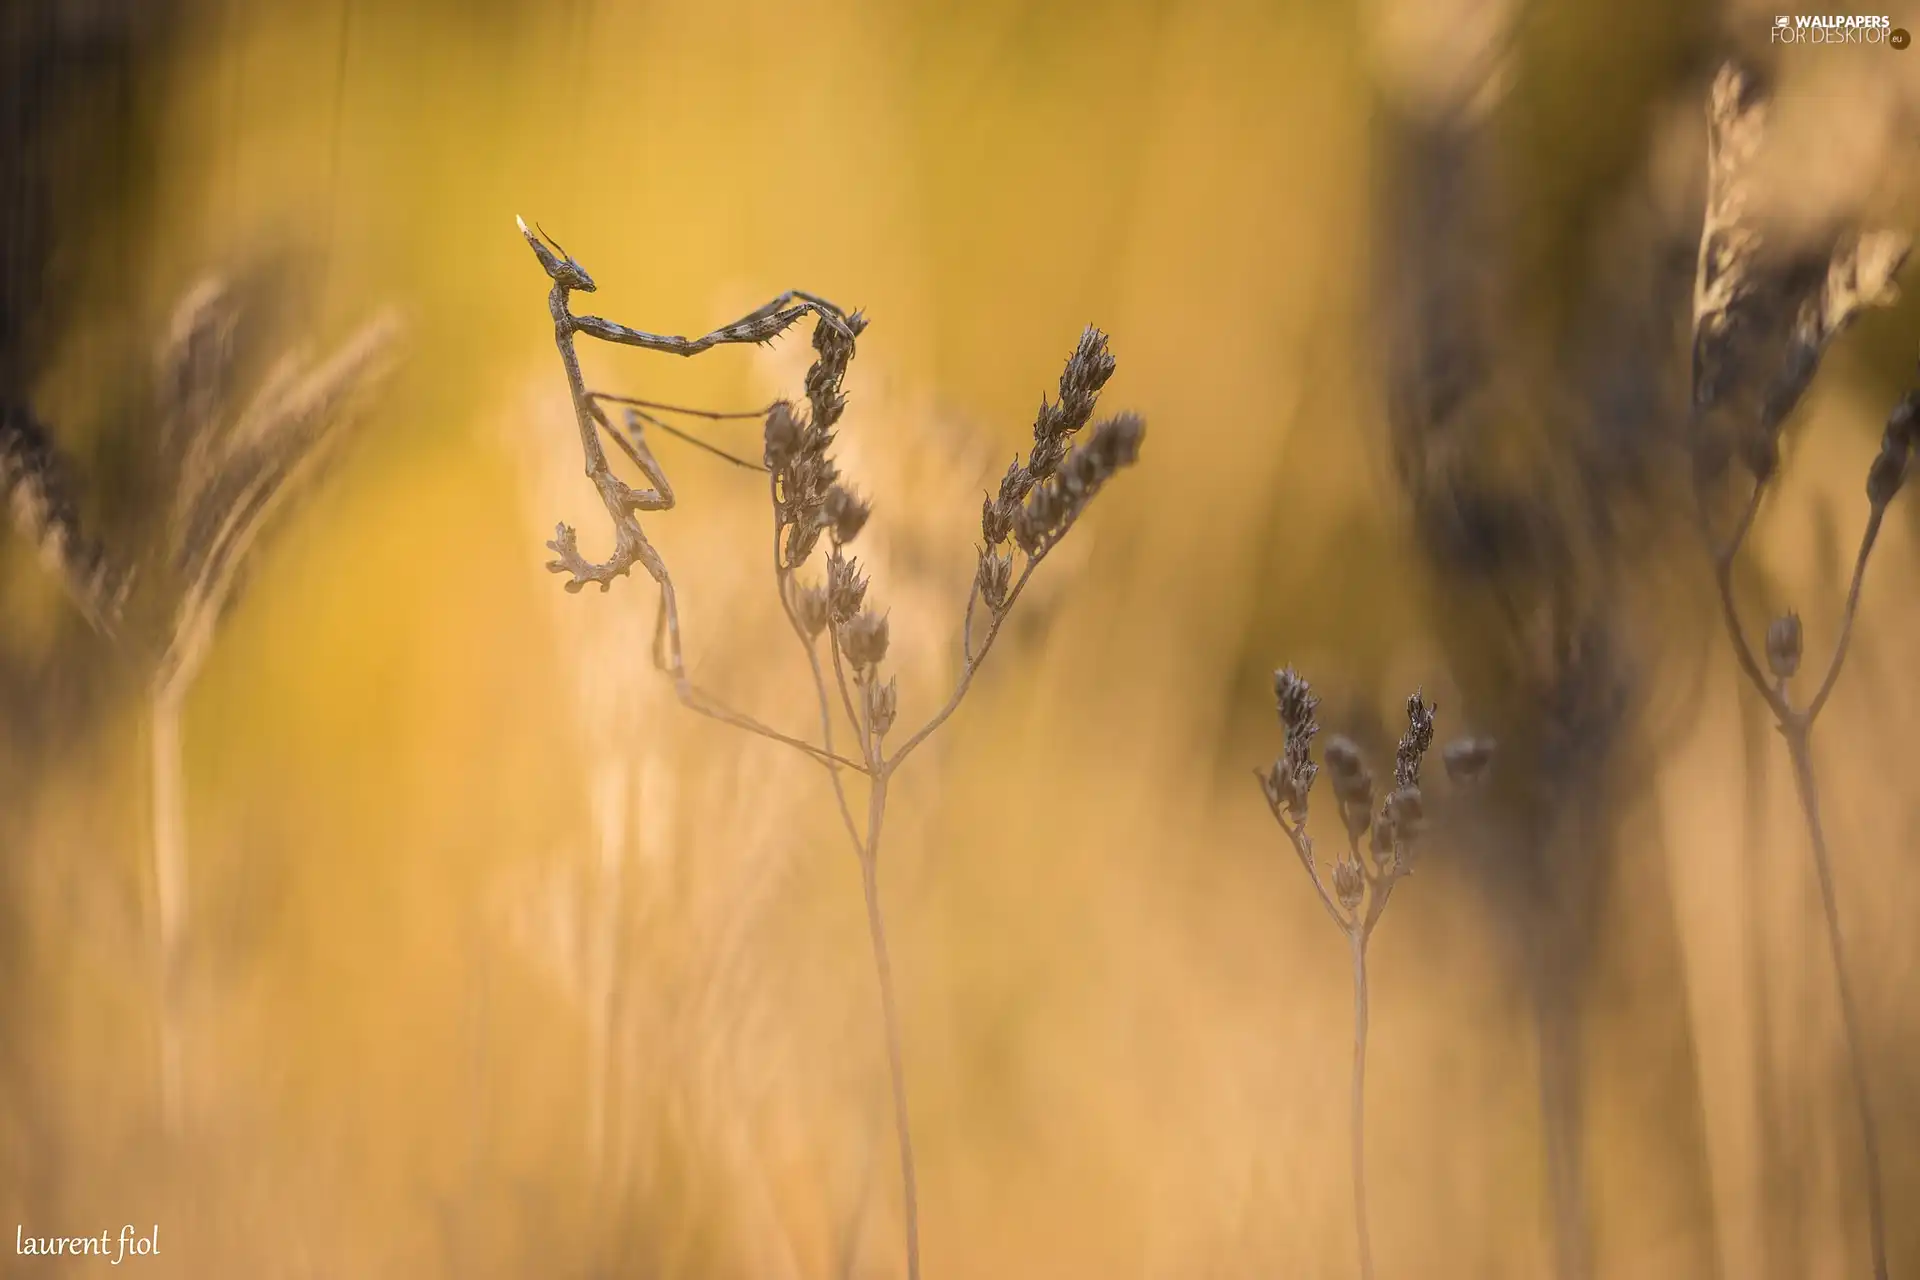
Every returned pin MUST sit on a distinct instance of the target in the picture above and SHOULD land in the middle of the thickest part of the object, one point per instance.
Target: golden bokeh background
(500, 963)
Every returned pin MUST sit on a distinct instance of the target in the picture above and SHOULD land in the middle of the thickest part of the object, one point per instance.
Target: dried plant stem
(1356, 892)
(1359, 1105)
(1796, 727)
(890, 1016)
(1800, 749)
(169, 873)
(1358, 925)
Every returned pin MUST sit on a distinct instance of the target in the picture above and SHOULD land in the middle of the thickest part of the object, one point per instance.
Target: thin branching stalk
(1039, 501)
(1736, 286)
(1356, 893)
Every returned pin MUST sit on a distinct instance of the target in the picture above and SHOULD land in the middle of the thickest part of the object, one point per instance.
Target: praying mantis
(626, 504)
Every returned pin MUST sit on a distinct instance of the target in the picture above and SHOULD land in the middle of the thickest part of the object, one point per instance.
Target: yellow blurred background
(501, 963)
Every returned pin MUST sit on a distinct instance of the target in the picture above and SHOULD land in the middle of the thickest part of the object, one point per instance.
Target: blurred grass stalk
(234, 475)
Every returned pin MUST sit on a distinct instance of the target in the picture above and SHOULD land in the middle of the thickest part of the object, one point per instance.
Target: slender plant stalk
(1796, 727)
(1800, 748)
(1359, 1107)
(1737, 290)
(1362, 883)
(890, 1016)
(1795, 724)
(169, 873)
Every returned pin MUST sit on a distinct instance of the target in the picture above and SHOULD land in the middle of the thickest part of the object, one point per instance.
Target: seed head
(1349, 882)
(1296, 770)
(1352, 780)
(994, 578)
(810, 606)
(996, 521)
(1414, 742)
(845, 514)
(1116, 442)
(782, 435)
(1405, 816)
(846, 588)
(1467, 760)
(1783, 645)
(864, 639)
(883, 705)
(1088, 369)
(1296, 701)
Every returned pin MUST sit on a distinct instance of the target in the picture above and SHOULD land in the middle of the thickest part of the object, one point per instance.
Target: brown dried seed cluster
(808, 500)
(1783, 645)
(1290, 780)
(1889, 470)
(1467, 760)
(1400, 820)
(1040, 497)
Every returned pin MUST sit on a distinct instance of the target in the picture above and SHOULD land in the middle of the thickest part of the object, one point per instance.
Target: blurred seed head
(1349, 883)
(845, 513)
(864, 639)
(1783, 645)
(1352, 780)
(782, 435)
(883, 705)
(810, 606)
(1406, 813)
(1467, 760)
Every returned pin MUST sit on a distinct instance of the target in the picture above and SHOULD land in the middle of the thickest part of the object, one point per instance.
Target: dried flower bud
(1286, 785)
(996, 521)
(1027, 535)
(810, 607)
(1352, 780)
(1889, 470)
(782, 435)
(1047, 452)
(1382, 841)
(1467, 760)
(1783, 645)
(1118, 440)
(994, 578)
(846, 588)
(1015, 485)
(846, 514)
(1274, 782)
(1405, 812)
(1415, 742)
(883, 704)
(864, 639)
(1349, 882)
(1082, 474)
(1295, 699)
